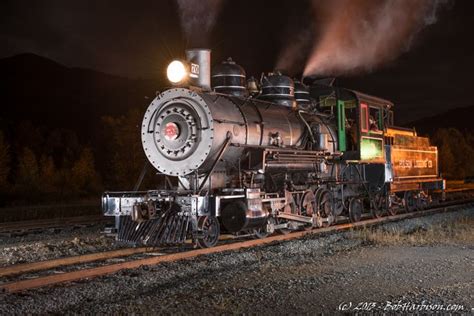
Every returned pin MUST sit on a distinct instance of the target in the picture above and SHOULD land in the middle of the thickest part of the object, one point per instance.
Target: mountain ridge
(39, 89)
(459, 118)
(77, 98)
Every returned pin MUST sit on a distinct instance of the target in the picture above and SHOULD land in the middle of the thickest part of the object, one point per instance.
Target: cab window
(375, 119)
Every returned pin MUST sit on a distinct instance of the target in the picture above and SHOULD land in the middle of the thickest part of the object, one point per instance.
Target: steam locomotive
(255, 157)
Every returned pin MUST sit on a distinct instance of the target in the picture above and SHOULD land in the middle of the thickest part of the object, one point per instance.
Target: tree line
(40, 165)
(455, 152)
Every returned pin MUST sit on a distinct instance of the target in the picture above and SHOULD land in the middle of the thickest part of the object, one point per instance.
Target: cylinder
(200, 72)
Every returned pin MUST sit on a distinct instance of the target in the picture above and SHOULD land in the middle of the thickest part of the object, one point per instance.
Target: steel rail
(60, 262)
(112, 268)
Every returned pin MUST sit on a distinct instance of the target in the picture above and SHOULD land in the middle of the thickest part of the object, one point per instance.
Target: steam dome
(279, 89)
(229, 78)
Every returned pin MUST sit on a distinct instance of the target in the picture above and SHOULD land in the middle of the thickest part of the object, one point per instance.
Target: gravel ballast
(53, 244)
(310, 275)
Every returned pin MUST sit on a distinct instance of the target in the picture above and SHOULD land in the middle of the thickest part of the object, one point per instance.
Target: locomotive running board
(295, 217)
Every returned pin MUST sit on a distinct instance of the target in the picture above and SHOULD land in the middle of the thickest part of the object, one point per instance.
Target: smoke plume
(198, 18)
(358, 35)
(300, 34)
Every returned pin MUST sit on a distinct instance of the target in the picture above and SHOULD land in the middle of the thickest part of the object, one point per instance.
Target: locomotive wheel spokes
(308, 203)
(308, 206)
(410, 201)
(266, 230)
(392, 210)
(422, 201)
(326, 209)
(356, 209)
(394, 204)
(378, 205)
(209, 231)
(260, 233)
(291, 207)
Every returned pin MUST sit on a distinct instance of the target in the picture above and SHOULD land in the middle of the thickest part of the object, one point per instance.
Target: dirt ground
(419, 265)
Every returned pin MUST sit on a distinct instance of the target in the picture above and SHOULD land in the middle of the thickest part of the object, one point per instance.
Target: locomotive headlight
(176, 71)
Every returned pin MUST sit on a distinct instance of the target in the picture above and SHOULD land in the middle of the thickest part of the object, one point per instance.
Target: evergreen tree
(126, 152)
(48, 175)
(84, 176)
(455, 153)
(27, 180)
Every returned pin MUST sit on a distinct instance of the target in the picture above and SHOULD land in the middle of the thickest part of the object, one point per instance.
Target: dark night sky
(138, 38)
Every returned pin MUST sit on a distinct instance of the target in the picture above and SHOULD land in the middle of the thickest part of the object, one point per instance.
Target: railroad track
(24, 227)
(26, 282)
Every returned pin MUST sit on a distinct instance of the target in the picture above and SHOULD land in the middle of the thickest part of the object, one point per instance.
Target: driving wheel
(355, 210)
(326, 209)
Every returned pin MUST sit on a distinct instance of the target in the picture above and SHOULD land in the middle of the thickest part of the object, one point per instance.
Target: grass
(459, 232)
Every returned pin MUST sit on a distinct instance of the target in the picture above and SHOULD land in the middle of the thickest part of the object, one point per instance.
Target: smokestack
(200, 72)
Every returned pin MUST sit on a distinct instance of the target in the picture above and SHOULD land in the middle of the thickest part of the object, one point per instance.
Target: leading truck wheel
(209, 231)
(266, 230)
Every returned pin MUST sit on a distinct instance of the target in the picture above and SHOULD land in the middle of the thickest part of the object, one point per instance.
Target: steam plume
(300, 34)
(359, 35)
(198, 18)
(292, 56)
